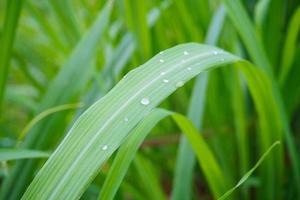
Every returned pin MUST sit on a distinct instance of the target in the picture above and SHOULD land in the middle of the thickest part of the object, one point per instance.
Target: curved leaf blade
(101, 129)
(127, 152)
(66, 85)
(249, 173)
(185, 161)
(15, 154)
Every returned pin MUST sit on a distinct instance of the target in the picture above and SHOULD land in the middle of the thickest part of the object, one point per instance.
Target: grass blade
(140, 91)
(289, 47)
(66, 86)
(185, 162)
(206, 159)
(44, 114)
(240, 122)
(148, 178)
(136, 18)
(254, 46)
(249, 173)
(127, 152)
(15, 154)
(65, 16)
(7, 40)
(102, 128)
(241, 20)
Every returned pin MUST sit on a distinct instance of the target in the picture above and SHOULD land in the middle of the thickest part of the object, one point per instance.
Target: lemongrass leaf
(289, 46)
(15, 154)
(110, 119)
(250, 172)
(254, 45)
(44, 114)
(8, 33)
(140, 91)
(185, 159)
(66, 85)
(127, 152)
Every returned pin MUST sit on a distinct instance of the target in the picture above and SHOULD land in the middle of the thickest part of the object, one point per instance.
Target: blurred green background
(39, 73)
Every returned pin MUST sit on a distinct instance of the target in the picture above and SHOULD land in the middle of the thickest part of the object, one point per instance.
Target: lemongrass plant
(164, 99)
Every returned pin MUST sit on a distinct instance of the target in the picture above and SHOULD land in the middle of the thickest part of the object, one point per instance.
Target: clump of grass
(58, 53)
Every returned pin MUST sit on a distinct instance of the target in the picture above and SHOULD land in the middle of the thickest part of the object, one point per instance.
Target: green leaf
(253, 43)
(249, 173)
(136, 19)
(148, 179)
(207, 161)
(289, 48)
(67, 85)
(127, 152)
(44, 114)
(261, 10)
(182, 184)
(15, 154)
(205, 157)
(103, 127)
(140, 91)
(7, 39)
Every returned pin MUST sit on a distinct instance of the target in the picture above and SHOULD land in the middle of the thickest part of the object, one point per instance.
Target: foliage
(70, 90)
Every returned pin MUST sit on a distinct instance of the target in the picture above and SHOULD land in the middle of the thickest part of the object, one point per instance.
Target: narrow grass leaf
(101, 129)
(261, 10)
(8, 33)
(127, 152)
(44, 114)
(182, 184)
(15, 154)
(249, 173)
(254, 45)
(66, 86)
(240, 123)
(148, 178)
(289, 48)
(207, 161)
(90, 142)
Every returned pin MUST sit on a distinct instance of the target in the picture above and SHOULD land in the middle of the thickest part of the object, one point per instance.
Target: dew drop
(126, 119)
(145, 101)
(189, 68)
(105, 147)
(162, 73)
(161, 60)
(166, 81)
(161, 52)
(186, 53)
(179, 84)
(215, 52)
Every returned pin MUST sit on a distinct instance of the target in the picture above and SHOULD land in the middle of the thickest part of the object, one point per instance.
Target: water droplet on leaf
(105, 147)
(145, 101)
